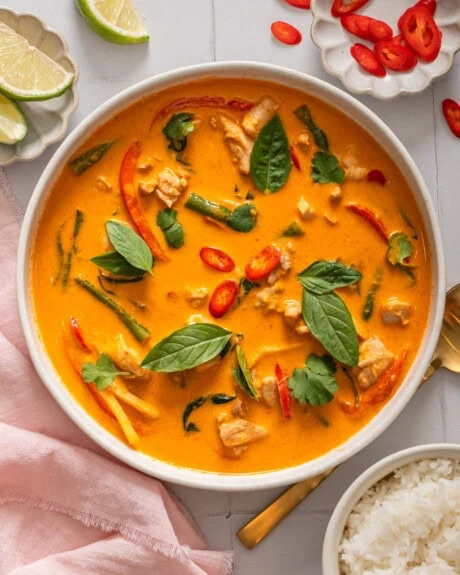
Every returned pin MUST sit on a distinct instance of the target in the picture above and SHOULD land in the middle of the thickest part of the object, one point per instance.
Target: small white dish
(334, 44)
(47, 120)
(364, 482)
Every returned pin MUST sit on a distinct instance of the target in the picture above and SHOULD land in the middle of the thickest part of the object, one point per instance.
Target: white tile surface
(190, 31)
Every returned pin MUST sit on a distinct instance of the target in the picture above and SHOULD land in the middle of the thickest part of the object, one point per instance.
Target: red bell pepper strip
(285, 396)
(263, 263)
(78, 334)
(342, 7)
(451, 111)
(286, 33)
(217, 259)
(367, 59)
(394, 56)
(223, 298)
(202, 102)
(421, 33)
(295, 157)
(377, 176)
(430, 5)
(370, 218)
(304, 4)
(366, 28)
(132, 202)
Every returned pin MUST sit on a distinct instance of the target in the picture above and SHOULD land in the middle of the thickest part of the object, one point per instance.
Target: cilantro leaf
(399, 249)
(102, 373)
(243, 218)
(315, 383)
(177, 129)
(325, 169)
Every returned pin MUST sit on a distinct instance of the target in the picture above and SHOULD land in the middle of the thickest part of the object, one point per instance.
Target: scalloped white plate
(334, 43)
(47, 120)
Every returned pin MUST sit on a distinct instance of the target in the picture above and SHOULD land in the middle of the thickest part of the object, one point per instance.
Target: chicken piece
(301, 328)
(238, 409)
(126, 358)
(374, 360)
(303, 141)
(103, 184)
(269, 390)
(285, 264)
(356, 173)
(239, 144)
(235, 432)
(307, 212)
(167, 184)
(145, 167)
(196, 297)
(195, 318)
(396, 311)
(330, 219)
(259, 115)
(292, 310)
(267, 298)
(336, 194)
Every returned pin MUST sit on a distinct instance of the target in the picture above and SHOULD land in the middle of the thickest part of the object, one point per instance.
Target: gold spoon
(447, 355)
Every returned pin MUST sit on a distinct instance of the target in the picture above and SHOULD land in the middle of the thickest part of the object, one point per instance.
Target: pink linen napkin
(65, 508)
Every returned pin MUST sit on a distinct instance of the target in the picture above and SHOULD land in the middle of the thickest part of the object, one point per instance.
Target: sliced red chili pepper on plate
(283, 390)
(377, 176)
(75, 326)
(398, 40)
(394, 56)
(371, 218)
(304, 4)
(223, 298)
(430, 5)
(263, 263)
(367, 59)
(366, 28)
(342, 7)
(217, 259)
(286, 33)
(451, 111)
(421, 33)
(295, 157)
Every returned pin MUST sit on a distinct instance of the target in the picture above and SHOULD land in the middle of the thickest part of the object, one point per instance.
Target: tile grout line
(213, 31)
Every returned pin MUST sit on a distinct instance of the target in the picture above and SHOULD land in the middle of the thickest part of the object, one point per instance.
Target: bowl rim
(364, 482)
(205, 479)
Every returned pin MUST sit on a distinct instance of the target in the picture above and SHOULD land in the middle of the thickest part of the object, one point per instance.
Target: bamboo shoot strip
(79, 218)
(140, 332)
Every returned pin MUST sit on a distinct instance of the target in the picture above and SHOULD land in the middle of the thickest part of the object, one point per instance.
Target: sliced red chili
(304, 4)
(383, 387)
(78, 334)
(451, 111)
(239, 104)
(263, 263)
(398, 40)
(202, 102)
(366, 28)
(223, 298)
(394, 56)
(286, 33)
(430, 5)
(377, 176)
(421, 33)
(295, 157)
(283, 390)
(132, 202)
(370, 218)
(217, 259)
(379, 30)
(367, 59)
(342, 7)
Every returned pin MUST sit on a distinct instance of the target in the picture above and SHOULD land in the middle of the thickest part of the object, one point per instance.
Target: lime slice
(114, 20)
(25, 72)
(13, 125)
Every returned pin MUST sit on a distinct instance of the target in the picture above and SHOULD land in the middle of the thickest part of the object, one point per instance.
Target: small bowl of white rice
(401, 516)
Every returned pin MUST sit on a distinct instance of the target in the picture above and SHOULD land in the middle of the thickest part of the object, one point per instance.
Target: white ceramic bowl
(313, 87)
(364, 482)
(47, 120)
(334, 42)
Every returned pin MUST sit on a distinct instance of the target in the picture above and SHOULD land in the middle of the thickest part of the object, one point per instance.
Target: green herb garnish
(325, 169)
(176, 131)
(399, 249)
(171, 228)
(130, 245)
(270, 158)
(83, 162)
(315, 383)
(102, 373)
(304, 115)
(245, 287)
(216, 399)
(116, 264)
(406, 218)
(187, 348)
(250, 196)
(293, 230)
(368, 309)
(242, 219)
(324, 276)
(242, 373)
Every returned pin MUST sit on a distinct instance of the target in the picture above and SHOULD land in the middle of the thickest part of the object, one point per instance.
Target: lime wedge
(13, 125)
(25, 72)
(114, 20)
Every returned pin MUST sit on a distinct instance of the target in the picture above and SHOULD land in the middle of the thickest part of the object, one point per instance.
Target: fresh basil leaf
(166, 218)
(408, 221)
(83, 162)
(330, 322)
(116, 264)
(324, 276)
(399, 249)
(270, 158)
(244, 377)
(304, 115)
(293, 230)
(187, 347)
(195, 404)
(191, 427)
(172, 229)
(221, 398)
(315, 383)
(177, 129)
(245, 286)
(243, 218)
(130, 245)
(250, 196)
(102, 373)
(325, 169)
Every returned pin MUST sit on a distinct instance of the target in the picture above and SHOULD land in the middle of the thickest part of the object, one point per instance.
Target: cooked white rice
(408, 522)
